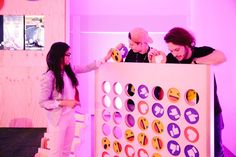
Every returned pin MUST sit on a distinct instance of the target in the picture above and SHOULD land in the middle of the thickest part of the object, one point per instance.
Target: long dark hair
(180, 36)
(54, 59)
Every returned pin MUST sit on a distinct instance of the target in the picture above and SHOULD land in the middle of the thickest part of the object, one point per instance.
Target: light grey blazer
(49, 95)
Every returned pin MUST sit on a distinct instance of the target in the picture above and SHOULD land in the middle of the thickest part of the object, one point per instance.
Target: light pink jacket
(49, 95)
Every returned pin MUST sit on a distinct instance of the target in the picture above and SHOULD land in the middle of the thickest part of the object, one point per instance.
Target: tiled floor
(20, 142)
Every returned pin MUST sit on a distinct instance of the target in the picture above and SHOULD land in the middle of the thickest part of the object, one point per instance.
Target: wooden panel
(19, 93)
(183, 128)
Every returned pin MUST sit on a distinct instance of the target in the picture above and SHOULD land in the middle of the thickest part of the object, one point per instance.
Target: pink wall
(96, 26)
(141, 7)
(21, 70)
(214, 24)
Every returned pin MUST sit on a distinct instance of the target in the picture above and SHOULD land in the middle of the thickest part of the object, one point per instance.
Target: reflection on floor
(80, 145)
(228, 153)
(24, 142)
(20, 142)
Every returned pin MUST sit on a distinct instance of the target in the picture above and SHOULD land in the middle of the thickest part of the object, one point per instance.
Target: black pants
(219, 125)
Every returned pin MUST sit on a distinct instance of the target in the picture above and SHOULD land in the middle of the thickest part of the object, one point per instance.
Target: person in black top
(138, 44)
(181, 44)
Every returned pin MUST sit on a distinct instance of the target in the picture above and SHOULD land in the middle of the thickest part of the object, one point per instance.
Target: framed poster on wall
(34, 32)
(22, 32)
(12, 28)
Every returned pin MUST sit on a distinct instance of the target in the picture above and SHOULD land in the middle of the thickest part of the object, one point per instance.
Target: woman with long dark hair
(59, 96)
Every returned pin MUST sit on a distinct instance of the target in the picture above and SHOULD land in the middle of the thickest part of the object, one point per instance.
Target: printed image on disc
(157, 110)
(190, 151)
(143, 107)
(173, 148)
(129, 135)
(191, 115)
(173, 95)
(143, 91)
(173, 130)
(173, 112)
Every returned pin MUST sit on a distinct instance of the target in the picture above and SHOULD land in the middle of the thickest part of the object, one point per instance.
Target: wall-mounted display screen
(21, 32)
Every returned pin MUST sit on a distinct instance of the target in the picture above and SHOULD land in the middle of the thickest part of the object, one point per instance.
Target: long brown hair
(180, 36)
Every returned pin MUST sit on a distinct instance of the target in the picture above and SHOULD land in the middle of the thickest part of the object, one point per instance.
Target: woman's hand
(108, 56)
(69, 103)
